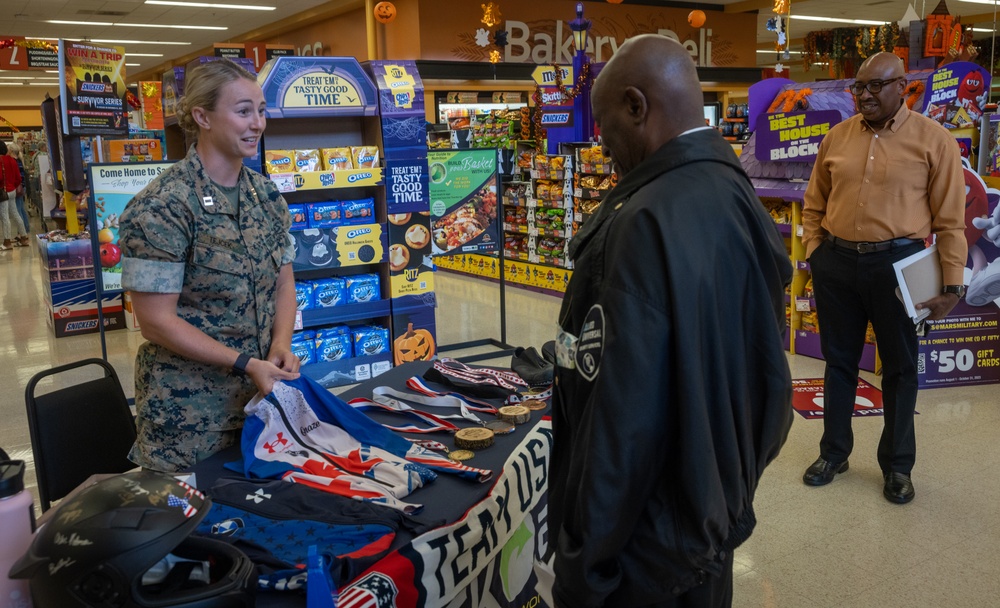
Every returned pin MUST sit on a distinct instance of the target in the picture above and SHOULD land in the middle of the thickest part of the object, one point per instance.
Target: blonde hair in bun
(202, 86)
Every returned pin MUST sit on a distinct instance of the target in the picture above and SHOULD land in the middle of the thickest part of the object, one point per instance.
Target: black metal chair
(78, 431)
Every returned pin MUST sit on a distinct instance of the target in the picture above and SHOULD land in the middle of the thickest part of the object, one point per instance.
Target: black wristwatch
(240, 367)
(958, 290)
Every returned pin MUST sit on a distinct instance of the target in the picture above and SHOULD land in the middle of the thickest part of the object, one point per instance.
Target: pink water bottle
(17, 512)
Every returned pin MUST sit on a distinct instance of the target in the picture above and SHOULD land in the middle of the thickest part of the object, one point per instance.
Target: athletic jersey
(287, 518)
(302, 433)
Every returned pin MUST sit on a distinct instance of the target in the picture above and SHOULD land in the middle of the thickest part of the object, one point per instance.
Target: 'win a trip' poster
(92, 89)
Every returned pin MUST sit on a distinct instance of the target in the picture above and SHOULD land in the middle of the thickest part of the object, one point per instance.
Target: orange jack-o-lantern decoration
(385, 12)
(414, 345)
(696, 18)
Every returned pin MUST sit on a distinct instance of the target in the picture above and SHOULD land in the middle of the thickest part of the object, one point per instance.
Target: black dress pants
(851, 289)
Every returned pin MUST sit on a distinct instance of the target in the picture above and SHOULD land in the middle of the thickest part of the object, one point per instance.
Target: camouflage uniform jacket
(182, 235)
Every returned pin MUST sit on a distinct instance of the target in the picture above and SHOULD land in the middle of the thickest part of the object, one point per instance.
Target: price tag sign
(284, 181)
(802, 305)
(798, 231)
(298, 320)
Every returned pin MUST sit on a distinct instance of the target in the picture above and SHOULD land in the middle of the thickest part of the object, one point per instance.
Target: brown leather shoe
(22, 241)
(8, 244)
(821, 472)
(898, 488)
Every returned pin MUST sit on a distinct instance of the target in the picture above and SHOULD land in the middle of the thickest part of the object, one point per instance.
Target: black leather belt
(870, 247)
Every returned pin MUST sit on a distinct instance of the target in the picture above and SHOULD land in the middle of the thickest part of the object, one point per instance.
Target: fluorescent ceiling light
(133, 65)
(143, 55)
(242, 7)
(836, 20)
(108, 23)
(789, 52)
(106, 41)
(991, 2)
(983, 29)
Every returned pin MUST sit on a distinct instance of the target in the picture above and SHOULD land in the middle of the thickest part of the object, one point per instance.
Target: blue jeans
(19, 202)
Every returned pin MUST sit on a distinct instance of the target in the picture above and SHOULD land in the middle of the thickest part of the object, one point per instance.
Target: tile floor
(838, 546)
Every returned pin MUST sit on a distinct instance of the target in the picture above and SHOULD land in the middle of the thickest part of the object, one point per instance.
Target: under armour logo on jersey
(279, 440)
(258, 497)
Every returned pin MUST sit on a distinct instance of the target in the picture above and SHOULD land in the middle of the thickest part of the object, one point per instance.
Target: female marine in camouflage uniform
(207, 257)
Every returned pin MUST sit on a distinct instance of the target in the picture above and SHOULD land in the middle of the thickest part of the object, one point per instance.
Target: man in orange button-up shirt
(883, 181)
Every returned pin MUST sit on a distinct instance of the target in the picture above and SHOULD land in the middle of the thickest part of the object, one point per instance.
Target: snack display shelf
(535, 231)
(537, 203)
(590, 193)
(317, 317)
(541, 260)
(557, 174)
(595, 169)
(342, 246)
(348, 371)
(785, 229)
(326, 180)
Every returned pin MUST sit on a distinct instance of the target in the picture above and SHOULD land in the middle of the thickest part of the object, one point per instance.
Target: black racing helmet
(99, 544)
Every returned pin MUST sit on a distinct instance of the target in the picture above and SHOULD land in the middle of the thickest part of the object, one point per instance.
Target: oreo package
(329, 292)
(370, 340)
(300, 219)
(305, 350)
(363, 288)
(304, 295)
(333, 345)
(324, 215)
(361, 211)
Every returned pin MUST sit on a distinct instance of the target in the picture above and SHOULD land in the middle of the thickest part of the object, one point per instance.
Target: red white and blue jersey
(302, 433)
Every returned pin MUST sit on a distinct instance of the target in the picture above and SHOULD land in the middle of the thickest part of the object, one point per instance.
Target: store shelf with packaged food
(735, 125)
(593, 178)
(803, 335)
(536, 212)
(323, 151)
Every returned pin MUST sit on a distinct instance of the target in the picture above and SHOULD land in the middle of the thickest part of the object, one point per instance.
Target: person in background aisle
(13, 228)
(15, 150)
(207, 257)
(883, 181)
(672, 390)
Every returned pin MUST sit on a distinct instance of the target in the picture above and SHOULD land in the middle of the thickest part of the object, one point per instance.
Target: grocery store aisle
(840, 545)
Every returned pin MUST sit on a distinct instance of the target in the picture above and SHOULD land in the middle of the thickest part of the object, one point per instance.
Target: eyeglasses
(874, 87)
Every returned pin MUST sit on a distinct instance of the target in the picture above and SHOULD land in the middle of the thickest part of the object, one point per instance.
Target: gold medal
(500, 427)
(515, 414)
(475, 438)
(534, 404)
(460, 455)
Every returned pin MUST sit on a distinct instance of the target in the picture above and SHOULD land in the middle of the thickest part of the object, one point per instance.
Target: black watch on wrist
(240, 367)
(958, 290)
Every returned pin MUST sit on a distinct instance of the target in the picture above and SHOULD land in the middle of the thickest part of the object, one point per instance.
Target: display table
(482, 553)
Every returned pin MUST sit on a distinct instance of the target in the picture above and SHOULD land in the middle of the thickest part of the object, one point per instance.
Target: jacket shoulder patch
(591, 343)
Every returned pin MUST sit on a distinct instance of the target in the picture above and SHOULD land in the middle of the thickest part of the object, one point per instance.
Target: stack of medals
(475, 438)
